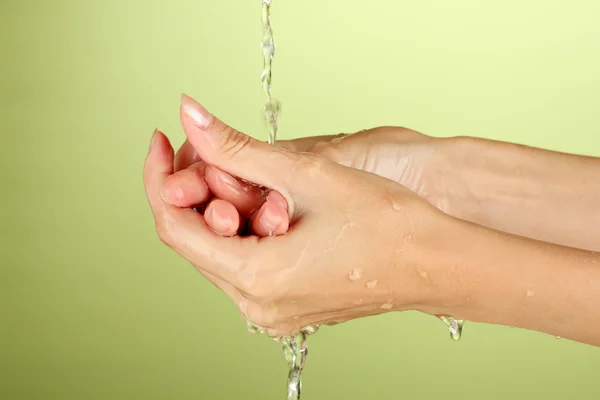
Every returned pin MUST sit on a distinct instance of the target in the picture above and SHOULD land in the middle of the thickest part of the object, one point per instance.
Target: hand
(407, 157)
(229, 206)
(503, 186)
(412, 159)
(358, 244)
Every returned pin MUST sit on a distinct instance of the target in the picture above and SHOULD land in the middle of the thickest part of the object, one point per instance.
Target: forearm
(492, 277)
(544, 195)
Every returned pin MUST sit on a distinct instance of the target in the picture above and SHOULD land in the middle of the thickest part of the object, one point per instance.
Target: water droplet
(396, 206)
(530, 293)
(423, 274)
(386, 306)
(558, 337)
(455, 326)
(355, 274)
(371, 284)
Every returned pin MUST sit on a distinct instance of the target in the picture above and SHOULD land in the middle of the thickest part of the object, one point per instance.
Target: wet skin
(336, 228)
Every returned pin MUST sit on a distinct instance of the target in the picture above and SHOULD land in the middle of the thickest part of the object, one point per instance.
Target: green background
(94, 307)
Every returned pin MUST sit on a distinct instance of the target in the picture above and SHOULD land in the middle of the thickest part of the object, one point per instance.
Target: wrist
(462, 177)
(458, 266)
(513, 188)
(489, 182)
(482, 275)
(426, 261)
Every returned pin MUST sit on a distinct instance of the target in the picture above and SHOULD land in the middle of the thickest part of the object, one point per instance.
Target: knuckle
(319, 147)
(234, 142)
(330, 152)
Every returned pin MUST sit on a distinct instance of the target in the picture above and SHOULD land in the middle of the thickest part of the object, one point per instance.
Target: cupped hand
(358, 243)
(412, 159)
(230, 206)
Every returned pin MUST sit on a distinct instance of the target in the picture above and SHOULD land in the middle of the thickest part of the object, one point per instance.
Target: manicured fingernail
(195, 112)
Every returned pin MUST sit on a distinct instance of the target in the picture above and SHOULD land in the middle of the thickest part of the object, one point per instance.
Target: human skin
(540, 194)
(530, 192)
(349, 228)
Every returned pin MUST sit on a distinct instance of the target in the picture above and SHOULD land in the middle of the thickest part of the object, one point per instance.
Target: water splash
(295, 350)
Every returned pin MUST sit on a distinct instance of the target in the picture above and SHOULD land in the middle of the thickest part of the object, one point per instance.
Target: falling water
(295, 347)
(295, 350)
(272, 106)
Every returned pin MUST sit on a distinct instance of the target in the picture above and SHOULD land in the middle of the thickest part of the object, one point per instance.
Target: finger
(157, 167)
(272, 219)
(187, 187)
(185, 230)
(186, 156)
(236, 153)
(222, 217)
(245, 198)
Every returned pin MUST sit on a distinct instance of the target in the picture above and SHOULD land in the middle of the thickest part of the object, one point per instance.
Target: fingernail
(271, 222)
(211, 212)
(171, 196)
(194, 111)
(153, 139)
(278, 199)
(230, 181)
(165, 194)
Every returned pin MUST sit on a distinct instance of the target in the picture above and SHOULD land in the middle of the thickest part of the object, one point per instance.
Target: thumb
(234, 152)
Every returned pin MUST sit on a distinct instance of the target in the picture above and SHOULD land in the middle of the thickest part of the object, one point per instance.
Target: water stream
(295, 347)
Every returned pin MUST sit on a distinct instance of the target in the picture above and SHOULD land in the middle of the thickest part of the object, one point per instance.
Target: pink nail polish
(194, 111)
